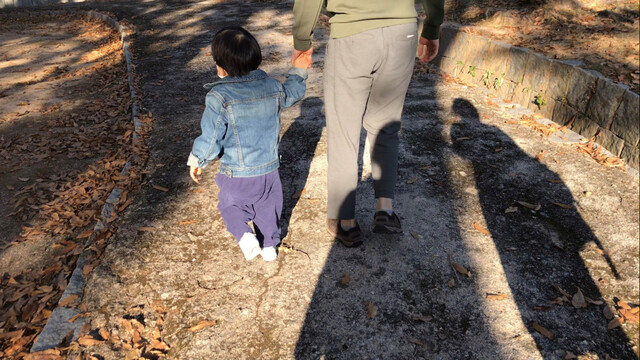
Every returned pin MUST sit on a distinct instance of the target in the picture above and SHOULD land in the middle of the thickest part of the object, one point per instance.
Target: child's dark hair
(236, 51)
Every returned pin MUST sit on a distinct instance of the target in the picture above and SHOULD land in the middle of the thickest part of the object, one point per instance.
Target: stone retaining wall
(596, 106)
(21, 3)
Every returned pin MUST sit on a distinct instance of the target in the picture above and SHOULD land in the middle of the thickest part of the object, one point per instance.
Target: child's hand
(302, 59)
(194, 172)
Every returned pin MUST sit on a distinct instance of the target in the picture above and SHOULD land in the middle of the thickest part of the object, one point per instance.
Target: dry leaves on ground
(61, 204)
(372, 309)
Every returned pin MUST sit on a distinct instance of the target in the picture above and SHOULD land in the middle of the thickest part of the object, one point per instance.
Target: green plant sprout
(497, 82)
(486, 78)
(540, 100)
(472, 70)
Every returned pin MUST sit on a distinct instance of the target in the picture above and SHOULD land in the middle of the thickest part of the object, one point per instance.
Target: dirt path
(470, 182)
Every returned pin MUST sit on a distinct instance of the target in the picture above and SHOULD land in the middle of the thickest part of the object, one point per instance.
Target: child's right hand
(302, 59)
(194, 172)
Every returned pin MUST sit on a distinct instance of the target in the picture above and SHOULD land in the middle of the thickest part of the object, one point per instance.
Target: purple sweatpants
(257, 199)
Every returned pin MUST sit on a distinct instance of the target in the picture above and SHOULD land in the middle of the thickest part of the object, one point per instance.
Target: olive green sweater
(350, 17)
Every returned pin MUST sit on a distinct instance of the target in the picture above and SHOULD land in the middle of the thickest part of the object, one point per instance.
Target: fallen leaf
(593, 302)
(415, 235)
(137, 338)
(623, 305)
(481, 229)
(104, 333)
(461, 269)
(564, 206)
(23, 179)
(298, 194)
(541, 308)
(606, 311)
(346, 279)
(498, 296)
(85, 234)
(412, 180)
(422, 318)
(147, 228)
(540, 155)
(542, 330)
(77, 316)
(555, 181)
(630, 317)
(88, 340)
(203, 324)
(616, 322)
(535, 207)
(187, 222)
(569, 356)
(578, 300)
(416, 341)
(158, 187)
(68, 300)
(451, 283)
(562, 291)
(372, 310)
(159, 345)
(511, 209)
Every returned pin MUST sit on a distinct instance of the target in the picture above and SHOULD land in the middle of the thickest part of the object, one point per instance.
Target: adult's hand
(427, 49)
(298, 53)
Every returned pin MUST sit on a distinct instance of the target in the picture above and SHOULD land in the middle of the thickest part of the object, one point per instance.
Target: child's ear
(221, 72)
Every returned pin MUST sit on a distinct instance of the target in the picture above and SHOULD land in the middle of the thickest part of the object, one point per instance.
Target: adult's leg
(348, 75)
(382, 119)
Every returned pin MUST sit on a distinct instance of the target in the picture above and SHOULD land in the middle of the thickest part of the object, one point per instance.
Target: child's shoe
(249, 245)
(269, 253)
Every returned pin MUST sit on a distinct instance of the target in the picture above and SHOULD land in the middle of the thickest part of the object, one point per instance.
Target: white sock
(269, 253)
(249, 245)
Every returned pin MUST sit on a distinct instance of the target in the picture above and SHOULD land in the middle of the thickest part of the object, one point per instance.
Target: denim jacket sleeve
(294, 87)
(207, 146)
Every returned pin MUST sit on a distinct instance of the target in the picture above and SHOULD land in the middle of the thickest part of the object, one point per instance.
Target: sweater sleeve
(305, 13)
(435, 16)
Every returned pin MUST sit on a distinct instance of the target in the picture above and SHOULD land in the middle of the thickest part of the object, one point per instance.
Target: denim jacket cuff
(298, 71)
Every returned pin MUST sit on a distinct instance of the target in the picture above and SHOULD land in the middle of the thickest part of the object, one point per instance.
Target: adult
(368, 66)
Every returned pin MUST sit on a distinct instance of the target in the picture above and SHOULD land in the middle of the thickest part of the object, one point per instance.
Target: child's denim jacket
(241, 122)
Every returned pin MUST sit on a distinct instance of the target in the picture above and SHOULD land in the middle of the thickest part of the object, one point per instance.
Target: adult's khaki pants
(366, 77)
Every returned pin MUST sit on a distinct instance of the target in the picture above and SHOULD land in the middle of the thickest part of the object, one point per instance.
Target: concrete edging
(58, 325)
(563, 92)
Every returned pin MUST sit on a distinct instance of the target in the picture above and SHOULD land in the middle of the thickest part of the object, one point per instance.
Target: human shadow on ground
(297, 149)
(389, 298)
(538, 248)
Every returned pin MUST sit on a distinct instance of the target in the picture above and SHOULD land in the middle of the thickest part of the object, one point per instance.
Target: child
(241, 127)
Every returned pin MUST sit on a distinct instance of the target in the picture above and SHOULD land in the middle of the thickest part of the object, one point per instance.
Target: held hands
(427, 49)
(301, 59)
(194, 172)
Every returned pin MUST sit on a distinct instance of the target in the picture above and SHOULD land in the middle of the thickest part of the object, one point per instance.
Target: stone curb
(565, 93)
(58, 325)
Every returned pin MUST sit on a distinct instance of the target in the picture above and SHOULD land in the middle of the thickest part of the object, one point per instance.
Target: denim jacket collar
(253, 75)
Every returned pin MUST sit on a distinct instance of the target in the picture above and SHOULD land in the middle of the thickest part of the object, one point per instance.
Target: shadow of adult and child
(390, 299)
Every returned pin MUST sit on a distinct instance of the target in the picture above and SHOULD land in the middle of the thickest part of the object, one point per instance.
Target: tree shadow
(538, 248)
